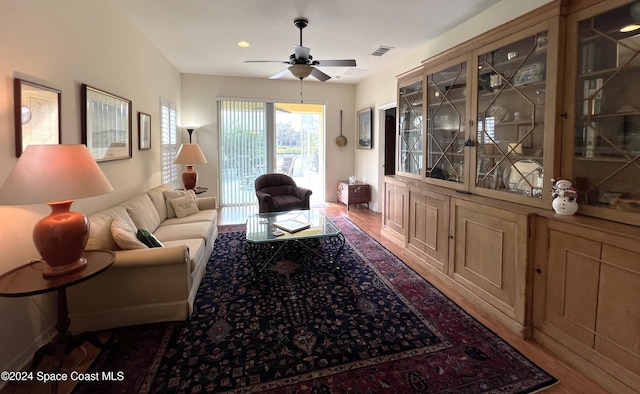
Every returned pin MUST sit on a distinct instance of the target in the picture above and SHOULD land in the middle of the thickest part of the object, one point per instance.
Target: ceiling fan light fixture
(300, 71)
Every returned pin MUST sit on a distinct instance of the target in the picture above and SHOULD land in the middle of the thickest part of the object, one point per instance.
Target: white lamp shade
(49, 173)
(190, 154)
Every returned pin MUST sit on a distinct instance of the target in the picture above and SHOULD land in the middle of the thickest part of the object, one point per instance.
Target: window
(169, 131)
(258, 137)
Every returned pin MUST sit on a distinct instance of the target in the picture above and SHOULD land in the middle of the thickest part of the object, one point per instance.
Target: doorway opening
(390, 141)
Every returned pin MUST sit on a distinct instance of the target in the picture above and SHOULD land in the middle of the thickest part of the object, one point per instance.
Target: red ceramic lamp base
(60, 238)
(190, 178)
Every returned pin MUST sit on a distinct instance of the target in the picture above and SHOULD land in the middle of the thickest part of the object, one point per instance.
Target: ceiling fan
(301, 63)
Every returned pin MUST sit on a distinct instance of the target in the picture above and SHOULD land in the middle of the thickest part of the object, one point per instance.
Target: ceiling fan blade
(280, 74)
(266, 61)
(335, 63)
(320, 75)
(302, 52)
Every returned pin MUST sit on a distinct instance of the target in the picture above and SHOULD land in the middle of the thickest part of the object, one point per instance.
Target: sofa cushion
(204, 230)
(287, 203)
(184, 206)
(100, 236)
(148, 239)
(170, 195)
(143, 212)
(124, 233)
(206, 215)
(157, 198)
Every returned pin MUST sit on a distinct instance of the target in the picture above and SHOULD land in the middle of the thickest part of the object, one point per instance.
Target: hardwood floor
(570, 381)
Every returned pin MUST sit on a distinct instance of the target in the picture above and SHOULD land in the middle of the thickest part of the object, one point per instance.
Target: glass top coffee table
(265, 242)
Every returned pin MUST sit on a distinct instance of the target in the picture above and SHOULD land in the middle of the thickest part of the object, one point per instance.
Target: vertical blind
(169, 130)
(243, 149)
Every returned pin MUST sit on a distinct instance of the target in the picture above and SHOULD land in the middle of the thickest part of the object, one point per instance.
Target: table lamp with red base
(56, 175)
(190, 154)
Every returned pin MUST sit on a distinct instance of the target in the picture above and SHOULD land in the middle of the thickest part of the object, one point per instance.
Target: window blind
(243, 149)
(169, 130)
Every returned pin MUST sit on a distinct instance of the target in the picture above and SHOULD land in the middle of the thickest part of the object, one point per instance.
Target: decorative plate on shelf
(498, 112)
(523, 176)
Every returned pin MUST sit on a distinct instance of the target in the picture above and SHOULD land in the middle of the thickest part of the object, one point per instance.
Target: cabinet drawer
(358, 192)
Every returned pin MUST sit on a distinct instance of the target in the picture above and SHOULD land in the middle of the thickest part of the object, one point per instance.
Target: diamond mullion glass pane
(607, 124)
(446, 92)
(411, 128)
(512, 86)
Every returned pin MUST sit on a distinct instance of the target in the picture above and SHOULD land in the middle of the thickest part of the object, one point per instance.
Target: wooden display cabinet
(602, 132)
(489, 259)
(396, 210)
(489, 116)
(428, 233)
(551, 94)
(516, 79)
(586, 291)
(410, 154)
(448, 107)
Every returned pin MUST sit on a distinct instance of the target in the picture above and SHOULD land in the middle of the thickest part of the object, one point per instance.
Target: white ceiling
(200, 36)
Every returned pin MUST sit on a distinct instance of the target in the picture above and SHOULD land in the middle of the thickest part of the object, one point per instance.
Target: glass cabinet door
(606, 159)
(445, 122)
(410, 102)
(511, 117)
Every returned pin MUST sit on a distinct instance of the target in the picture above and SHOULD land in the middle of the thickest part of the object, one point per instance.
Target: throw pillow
(148, 239)
(184, 206)
(171, 194)
(143, 212)
(125, 235)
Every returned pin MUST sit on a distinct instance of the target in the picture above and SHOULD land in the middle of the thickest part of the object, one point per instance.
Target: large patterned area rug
(301, 327)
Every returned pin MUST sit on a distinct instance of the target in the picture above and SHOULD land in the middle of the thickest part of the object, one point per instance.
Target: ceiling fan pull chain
(301, 98)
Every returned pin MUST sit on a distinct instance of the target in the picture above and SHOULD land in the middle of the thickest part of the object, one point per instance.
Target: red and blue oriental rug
(378, 327)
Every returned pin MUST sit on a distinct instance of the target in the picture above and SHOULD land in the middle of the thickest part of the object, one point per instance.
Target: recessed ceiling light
(243, 44)
(629, 28)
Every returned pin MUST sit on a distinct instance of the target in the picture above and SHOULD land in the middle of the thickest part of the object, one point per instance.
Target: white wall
(62, 44)
(381, 89)
(199, 94)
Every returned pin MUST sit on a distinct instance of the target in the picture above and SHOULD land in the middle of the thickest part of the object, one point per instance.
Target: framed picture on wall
(37, 114)
(106, 124)
(365, 137)
(144, 131)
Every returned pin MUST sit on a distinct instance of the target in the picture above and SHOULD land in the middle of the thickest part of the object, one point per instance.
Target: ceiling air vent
(381, 51)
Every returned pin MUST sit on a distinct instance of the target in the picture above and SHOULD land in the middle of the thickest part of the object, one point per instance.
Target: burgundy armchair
(278, 192)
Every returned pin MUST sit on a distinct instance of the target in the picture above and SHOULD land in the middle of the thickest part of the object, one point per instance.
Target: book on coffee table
(292, 225)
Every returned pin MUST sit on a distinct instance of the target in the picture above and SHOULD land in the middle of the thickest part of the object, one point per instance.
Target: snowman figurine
(564, 197)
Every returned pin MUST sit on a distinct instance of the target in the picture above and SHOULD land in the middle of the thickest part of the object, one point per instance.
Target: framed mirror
(37, 114)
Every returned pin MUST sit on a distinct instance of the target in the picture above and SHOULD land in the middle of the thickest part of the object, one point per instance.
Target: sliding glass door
(261, 137)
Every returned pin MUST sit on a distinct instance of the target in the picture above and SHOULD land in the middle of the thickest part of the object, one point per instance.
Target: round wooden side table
(27, 280)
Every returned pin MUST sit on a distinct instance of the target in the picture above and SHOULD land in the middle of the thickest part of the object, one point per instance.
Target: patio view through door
(261, 137)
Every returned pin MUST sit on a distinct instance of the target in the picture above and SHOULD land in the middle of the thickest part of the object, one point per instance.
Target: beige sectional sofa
(146, 285)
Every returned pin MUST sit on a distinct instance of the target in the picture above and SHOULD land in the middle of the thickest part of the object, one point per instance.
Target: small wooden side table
(199, 189)
(27, 280)
(353, 193)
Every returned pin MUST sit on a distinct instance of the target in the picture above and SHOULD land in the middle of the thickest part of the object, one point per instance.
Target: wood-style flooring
(570, 380)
